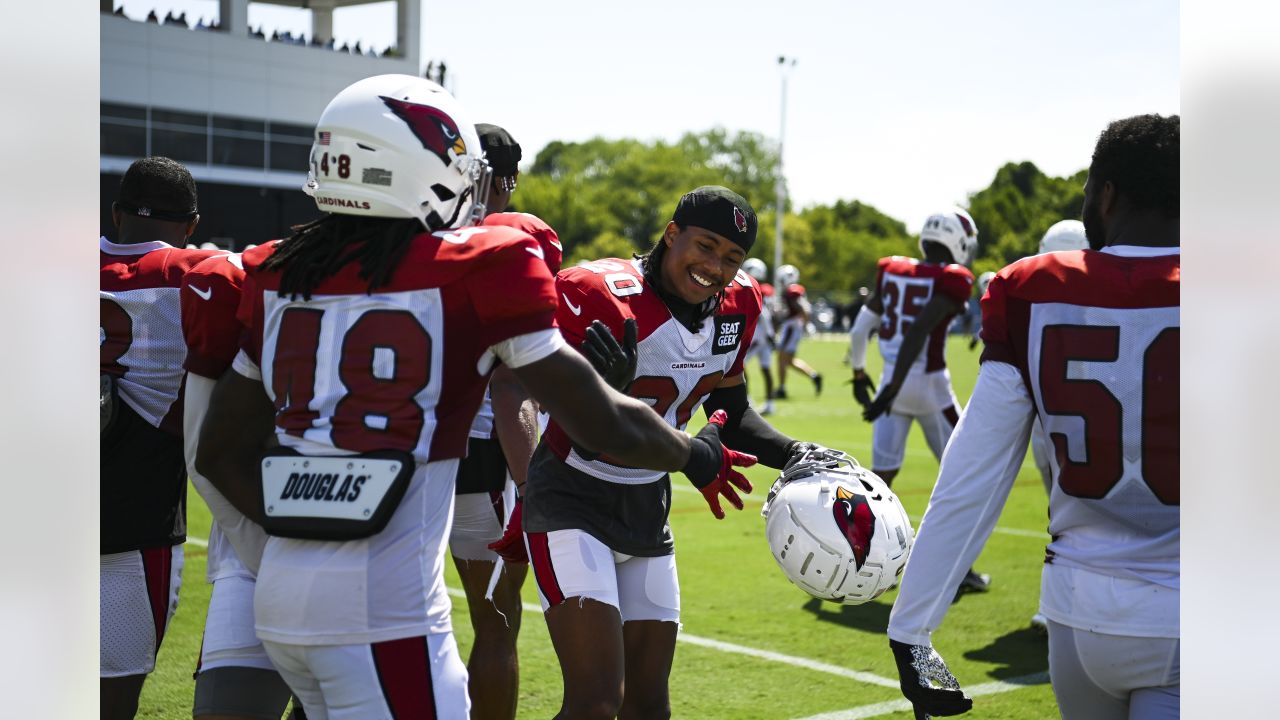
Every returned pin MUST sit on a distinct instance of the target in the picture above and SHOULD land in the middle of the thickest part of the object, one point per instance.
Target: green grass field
(754, 645)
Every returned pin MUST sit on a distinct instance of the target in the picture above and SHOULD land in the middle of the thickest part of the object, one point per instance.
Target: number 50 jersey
(1095, 337)
(675, 370)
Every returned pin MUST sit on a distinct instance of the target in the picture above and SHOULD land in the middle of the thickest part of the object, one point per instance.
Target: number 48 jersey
(676, 369)
(1095, 338)
(905, 285)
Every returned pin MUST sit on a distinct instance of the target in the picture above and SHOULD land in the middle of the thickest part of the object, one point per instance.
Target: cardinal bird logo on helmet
(857, 522)
(436, 130)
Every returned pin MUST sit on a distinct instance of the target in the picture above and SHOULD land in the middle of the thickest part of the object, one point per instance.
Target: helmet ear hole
(442, 192)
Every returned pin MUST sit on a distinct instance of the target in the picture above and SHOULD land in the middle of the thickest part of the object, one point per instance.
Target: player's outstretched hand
(711, 466)
(881, 404)
(927, 682)
(615, 363)
(510, 547)
(863, 388)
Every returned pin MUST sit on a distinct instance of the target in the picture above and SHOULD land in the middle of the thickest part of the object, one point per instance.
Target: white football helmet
(983, 281)
(399, 146)
(836, 529)
(755, 267)
(1064, 235)
(787, 275)
(954, 229)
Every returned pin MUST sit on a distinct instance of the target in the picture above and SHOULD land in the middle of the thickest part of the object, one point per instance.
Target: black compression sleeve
(746, 431)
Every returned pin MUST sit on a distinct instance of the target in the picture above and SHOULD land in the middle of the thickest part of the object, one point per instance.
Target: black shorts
(630, 519)
(484, 469)
(143, 500)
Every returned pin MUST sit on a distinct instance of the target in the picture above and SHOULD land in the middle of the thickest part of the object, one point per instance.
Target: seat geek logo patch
(728, 333)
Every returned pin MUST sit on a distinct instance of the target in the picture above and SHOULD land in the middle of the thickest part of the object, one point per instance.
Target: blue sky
(906, 106)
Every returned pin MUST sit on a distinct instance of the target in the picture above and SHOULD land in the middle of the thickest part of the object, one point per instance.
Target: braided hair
(688, 314)
(318, 249)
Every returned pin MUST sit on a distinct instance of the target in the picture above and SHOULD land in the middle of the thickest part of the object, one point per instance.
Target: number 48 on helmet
(836, 529)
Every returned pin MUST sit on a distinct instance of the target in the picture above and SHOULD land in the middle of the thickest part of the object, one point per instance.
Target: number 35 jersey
(1095, 337)
(905, 285)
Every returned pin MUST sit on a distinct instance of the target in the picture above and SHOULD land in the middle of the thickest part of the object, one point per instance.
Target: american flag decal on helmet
(323, 137)
(740, 220)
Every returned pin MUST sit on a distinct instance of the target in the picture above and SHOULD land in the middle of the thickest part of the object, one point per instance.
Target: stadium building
(236, 108)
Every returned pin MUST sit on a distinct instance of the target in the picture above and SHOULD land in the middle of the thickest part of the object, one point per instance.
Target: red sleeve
(956, 282)
(880, 268)
(210, 299)
(995, 322)
(512, 292)
(552, 251)
(583, 298)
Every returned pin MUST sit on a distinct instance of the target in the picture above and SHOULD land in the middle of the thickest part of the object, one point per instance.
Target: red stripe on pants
(404, 672)
(157, 567)
(540, 559)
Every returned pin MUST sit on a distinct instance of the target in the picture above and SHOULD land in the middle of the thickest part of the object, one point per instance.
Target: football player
(143, 475)
(234, 677)
(794, 325)
(913, 304)
(371, 334)
(501, 442)
(1087, 340)
(762, 344)
(596, 525)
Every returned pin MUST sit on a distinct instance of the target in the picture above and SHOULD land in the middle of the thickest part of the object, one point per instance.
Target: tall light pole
(783, 64)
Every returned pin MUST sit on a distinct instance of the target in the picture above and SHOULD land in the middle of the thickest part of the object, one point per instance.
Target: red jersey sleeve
(210, 300)
(748, 300)
(956, 282)
(995, 321)
(548, 241)
(512, 292)
(583, 298)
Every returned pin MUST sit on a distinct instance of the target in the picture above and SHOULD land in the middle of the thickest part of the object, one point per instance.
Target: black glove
(926, 681)
(798, 448)
(863, 389)
(881, 404)
(615, 363)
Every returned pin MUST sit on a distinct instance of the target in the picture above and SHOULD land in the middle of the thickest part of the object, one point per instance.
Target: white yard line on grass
(900, 705)
(722, 646)
(1019, 532)
(198, 542)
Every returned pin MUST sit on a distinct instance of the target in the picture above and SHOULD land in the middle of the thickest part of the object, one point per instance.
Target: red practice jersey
(404, 367)
(905, 285)
(548, 240)
(210, 299)
(143, 472)
(1095, 336)
(676, 369)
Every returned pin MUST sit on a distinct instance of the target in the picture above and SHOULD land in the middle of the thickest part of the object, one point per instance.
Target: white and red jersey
(1088, 342)
(676, 369)
(905, 285)
(402, 368)
(140, 336)
(143, 478)
(1095, 337)
(552, 254)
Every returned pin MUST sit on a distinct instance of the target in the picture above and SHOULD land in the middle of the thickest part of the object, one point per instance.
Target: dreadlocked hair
(318, 249)
(689, 315)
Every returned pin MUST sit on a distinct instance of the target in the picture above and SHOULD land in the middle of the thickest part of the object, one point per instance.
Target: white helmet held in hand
(399, 146)
(955, 230)
(836, 529)
(1064, 235)
(787, 275)
(755, 267)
